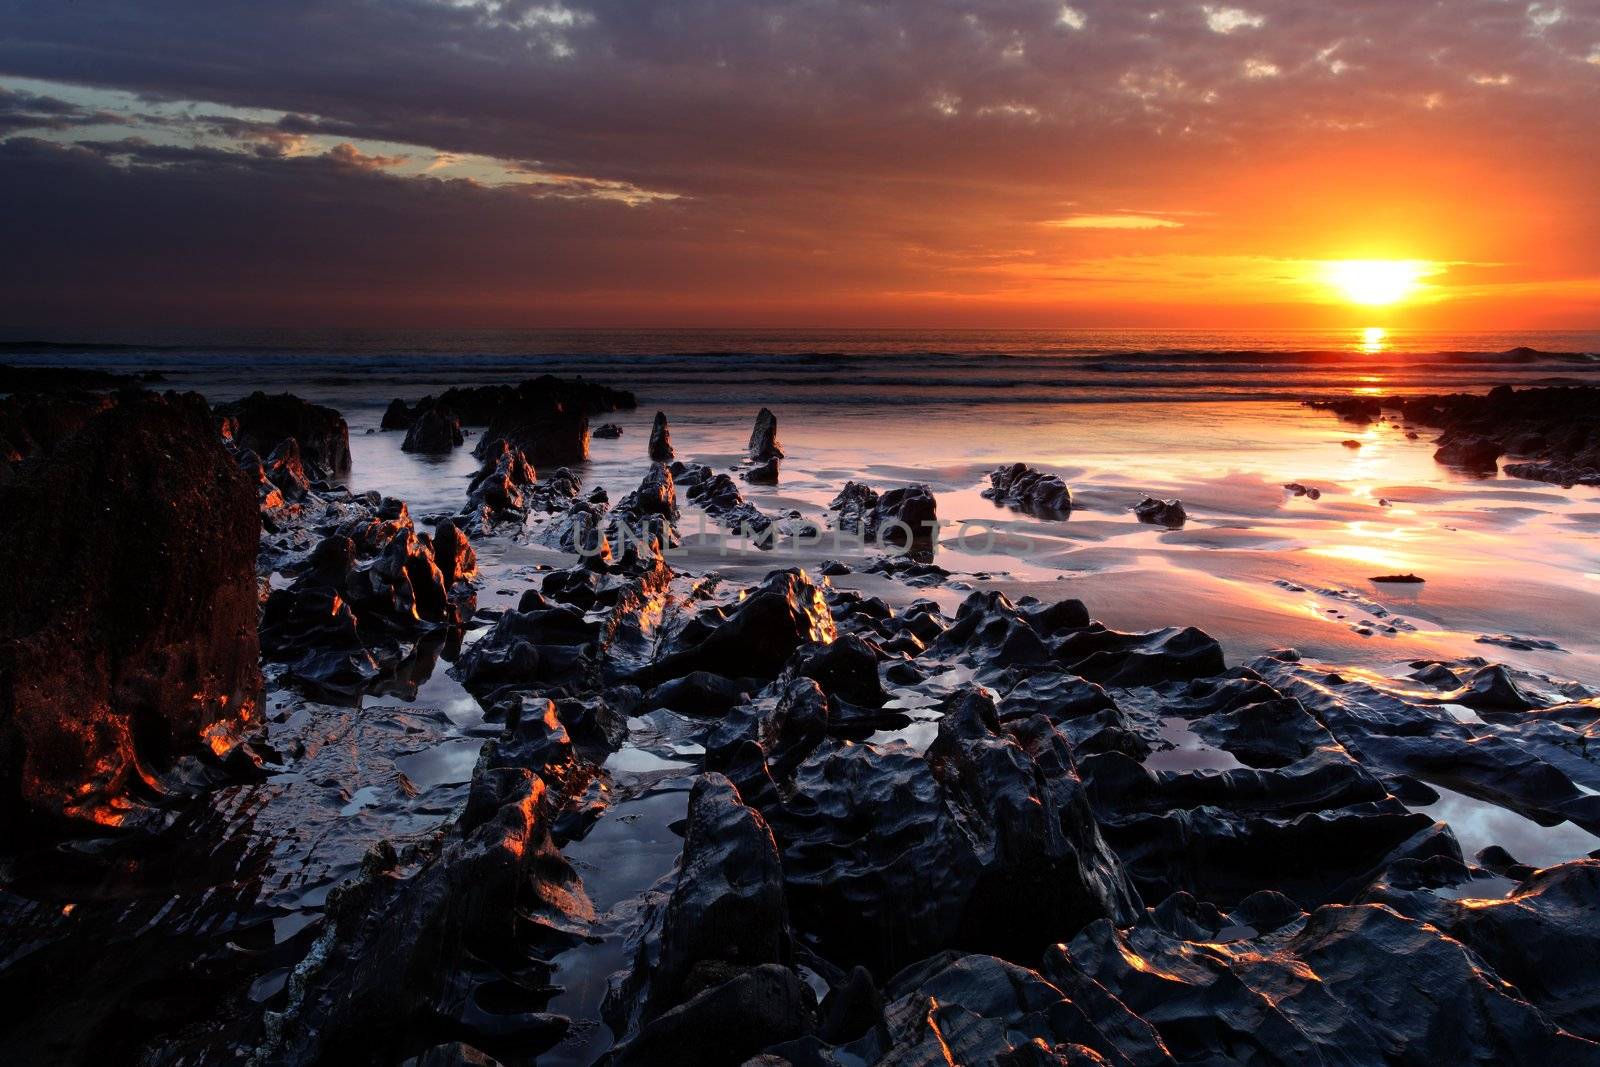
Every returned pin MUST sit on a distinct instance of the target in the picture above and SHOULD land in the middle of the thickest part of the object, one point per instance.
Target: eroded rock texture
(127, 624)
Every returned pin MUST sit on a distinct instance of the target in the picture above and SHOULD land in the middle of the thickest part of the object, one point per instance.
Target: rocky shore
(944, 830)
(1551, 434)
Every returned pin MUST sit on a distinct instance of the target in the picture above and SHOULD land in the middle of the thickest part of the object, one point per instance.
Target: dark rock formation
(546, 418)
(127, 628)
(30, 423)
(1357, 409)
(435, 430)
(418, 951)
(906, 516)
(1342, 983)
(1033, 491)
(607, 431)
(548, 435)
(763, 473)
(399, 416)
(724, 916)
(646, 520)
(260, 422)
(1168, 513)
(1468, 451)
(1554, 432)
(764, 438)
(507, 489)
(661, 439)
(719, 495)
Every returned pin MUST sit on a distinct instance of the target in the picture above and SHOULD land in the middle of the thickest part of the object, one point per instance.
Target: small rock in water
(607, 431)
(1397, 579)
(1351, 444)
(1307, 491)
(1168, 513)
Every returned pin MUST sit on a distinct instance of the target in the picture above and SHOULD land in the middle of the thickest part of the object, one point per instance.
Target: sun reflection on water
(1374, 340)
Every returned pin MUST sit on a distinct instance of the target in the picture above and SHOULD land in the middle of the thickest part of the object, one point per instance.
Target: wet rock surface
(260, 422)
(127, 631)
(661, 439)
(435, 430)
(905, 516)
(1033, 491)
(1552, 433)
(682, 817)
(1168, 513)
(764, 438)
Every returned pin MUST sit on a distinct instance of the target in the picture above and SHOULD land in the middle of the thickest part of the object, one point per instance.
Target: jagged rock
(286, 470)
(991, 824)
(128, 625)
(757, 637)
(259, 422)
(407, 953)
(719, 495)
(1169, 513)
(607, 431)
(1033, 491)
(764, 437)
(725, 1025)
(435, 430)
(725, 914)
(453, 553)
(343, 622)
(660, 439)
(1351, 984)
(1113, 658)
(645, 521)
(399, 416)
(700, 693)
(496, 492)
(846, 668)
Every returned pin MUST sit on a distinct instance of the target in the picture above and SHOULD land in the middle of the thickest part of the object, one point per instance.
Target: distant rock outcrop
(260, 421)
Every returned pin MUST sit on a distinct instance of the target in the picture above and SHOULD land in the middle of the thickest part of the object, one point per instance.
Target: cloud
(1230, 19)
(346, 154)
(1115, 222)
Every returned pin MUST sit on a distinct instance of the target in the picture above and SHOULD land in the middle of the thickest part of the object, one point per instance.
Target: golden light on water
(1373, 340)
(1375, 282)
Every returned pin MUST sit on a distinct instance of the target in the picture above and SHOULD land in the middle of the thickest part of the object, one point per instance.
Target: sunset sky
(821, 162)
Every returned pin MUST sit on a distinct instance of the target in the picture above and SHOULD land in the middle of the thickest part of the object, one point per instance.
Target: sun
(1375, 282)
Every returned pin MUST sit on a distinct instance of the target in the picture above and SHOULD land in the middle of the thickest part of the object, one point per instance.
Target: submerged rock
(607, 431)
(128, 626)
